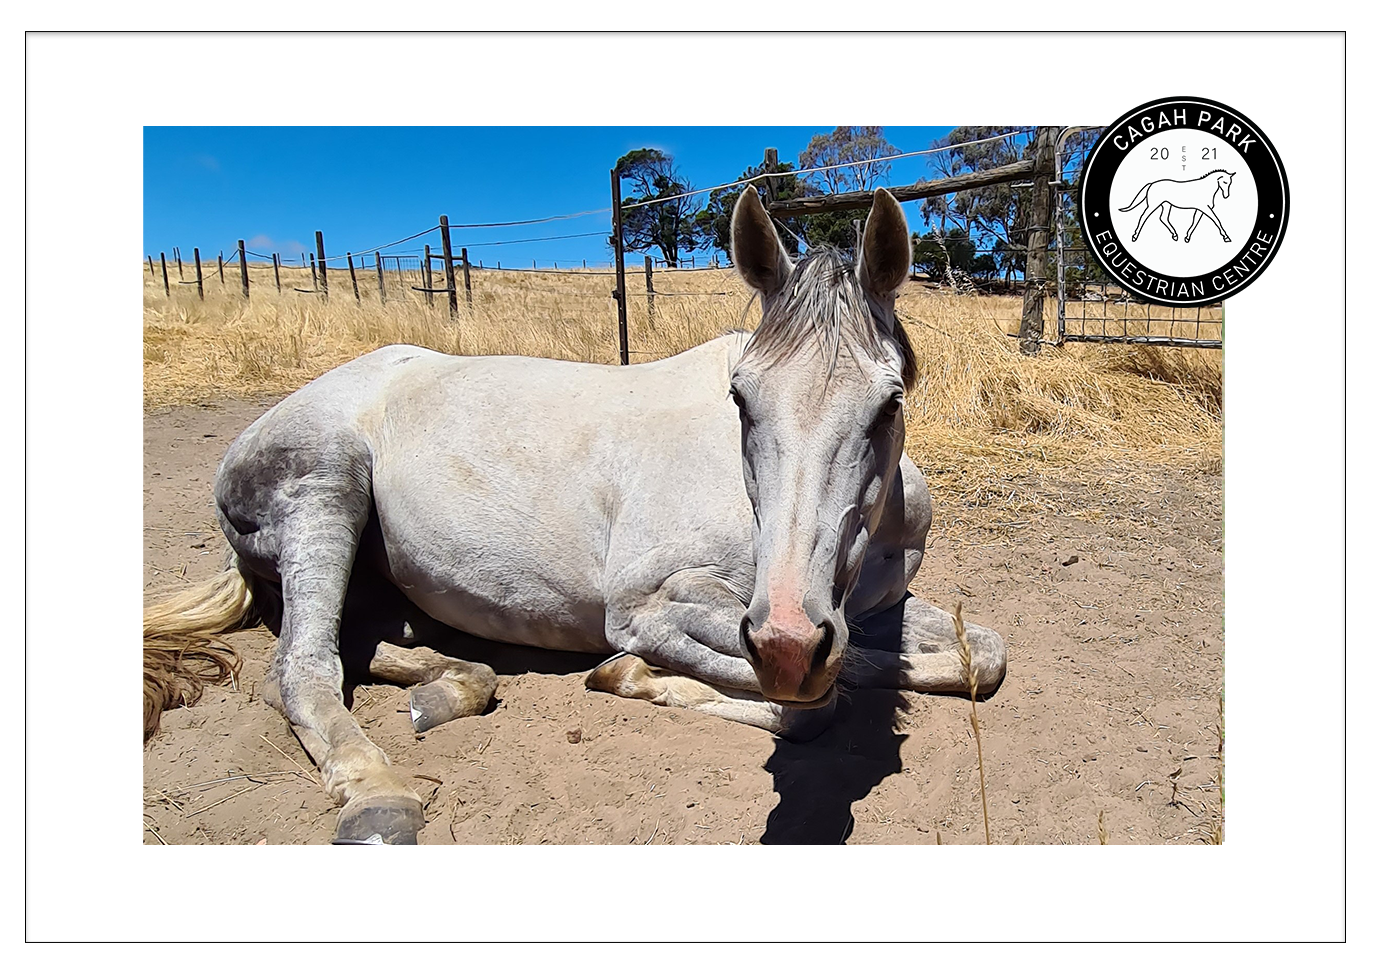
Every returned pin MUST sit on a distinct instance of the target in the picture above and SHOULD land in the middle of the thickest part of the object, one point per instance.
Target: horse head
(819, 390)
(1224, 181)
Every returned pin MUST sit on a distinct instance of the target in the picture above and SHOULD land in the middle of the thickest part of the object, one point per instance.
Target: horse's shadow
(818, 782)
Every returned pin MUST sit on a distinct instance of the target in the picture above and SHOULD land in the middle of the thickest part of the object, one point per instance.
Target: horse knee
(989, 656)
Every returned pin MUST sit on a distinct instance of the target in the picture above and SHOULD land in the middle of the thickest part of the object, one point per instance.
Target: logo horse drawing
(1197, 196)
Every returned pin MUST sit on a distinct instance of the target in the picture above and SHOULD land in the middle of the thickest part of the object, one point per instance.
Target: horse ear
(757, 252)
(886, 256)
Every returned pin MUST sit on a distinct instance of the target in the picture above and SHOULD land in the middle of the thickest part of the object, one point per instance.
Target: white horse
(733, 524)
(1198, 195)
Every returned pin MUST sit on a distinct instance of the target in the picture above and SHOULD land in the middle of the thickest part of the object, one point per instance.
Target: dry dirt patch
(1107, 584)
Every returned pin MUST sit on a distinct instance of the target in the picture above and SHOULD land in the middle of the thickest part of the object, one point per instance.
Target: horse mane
(824, 301)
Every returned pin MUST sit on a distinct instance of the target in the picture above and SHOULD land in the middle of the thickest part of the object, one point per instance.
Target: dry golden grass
(967, 666)
(982, 414)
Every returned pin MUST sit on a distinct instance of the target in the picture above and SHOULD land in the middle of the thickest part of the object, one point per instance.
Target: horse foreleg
(913, 646)
(1217, 223)
(681, 649)
(629, 676)
(445, 687)
(1194, 220)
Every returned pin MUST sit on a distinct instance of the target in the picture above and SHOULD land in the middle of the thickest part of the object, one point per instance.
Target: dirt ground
(1113, 614)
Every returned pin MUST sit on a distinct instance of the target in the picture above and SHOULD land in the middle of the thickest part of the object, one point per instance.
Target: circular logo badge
(1183, 201)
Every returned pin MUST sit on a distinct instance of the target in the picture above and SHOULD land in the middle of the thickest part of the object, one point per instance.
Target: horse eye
(886, 414)
(738, 399)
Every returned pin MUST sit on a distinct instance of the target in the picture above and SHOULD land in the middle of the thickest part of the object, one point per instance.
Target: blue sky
(366, 186)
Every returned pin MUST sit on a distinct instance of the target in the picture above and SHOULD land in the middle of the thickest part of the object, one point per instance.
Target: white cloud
(291, 248)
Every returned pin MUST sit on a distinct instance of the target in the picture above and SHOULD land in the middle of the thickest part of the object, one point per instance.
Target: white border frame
(1280, 875)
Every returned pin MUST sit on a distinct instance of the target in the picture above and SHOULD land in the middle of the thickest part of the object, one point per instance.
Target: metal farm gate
(1092, 307)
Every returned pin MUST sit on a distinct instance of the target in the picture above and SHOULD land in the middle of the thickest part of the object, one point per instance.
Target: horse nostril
(749, 649)
(823, 648)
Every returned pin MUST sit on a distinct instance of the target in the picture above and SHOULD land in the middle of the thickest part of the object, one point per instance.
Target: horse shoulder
(916, 504)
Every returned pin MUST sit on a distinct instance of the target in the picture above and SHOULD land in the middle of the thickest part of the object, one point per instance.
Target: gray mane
(824, 301)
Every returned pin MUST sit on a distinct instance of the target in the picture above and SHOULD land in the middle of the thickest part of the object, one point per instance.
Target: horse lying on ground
(737, 525)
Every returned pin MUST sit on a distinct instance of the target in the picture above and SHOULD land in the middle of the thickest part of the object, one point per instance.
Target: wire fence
(1089, 306)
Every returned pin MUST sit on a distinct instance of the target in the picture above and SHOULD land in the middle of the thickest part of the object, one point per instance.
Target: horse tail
(1141, 197)
(182, 653)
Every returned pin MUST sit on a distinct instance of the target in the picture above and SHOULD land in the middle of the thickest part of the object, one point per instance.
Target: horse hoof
(380, 821)
(445, 700)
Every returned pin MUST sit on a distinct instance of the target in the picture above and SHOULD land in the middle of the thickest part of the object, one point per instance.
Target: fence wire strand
(824, 167)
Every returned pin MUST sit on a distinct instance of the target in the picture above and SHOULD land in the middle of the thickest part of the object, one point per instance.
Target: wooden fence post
(177, 253)
(164, 262)
(197, 260)
(244, 271)
(321, 265)
(350, 260)
(278, 284)
(770, 164)
(221, 267)
(450, 266)
(1038, 237)
(648, 281)
(151, 268)
(379, 268)
(427, 272)
(617, 217)
(465, 271)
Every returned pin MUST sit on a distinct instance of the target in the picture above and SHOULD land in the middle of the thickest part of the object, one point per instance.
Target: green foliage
(713, 221)
(996, 215)
(669, 227)
(845, 144)
(834, 228)
(956, 251)
(863, 145)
